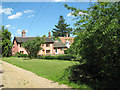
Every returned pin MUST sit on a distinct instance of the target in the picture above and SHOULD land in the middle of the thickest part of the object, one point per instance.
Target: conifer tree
(62, 28)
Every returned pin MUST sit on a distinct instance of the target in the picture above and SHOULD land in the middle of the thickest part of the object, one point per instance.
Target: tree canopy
(98, 44)
(62, 28)
(33, 46)
(6, 42)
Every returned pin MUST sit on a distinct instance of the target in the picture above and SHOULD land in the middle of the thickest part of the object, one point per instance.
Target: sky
(37, 18)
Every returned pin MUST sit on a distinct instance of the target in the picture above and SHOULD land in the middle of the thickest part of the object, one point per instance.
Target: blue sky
(37, 18)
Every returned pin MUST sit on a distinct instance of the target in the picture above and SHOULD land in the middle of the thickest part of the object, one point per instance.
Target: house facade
(50, 47)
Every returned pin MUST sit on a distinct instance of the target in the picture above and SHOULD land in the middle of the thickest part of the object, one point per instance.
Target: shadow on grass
(26, 59)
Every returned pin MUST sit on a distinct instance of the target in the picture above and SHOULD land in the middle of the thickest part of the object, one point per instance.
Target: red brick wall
(14, 48)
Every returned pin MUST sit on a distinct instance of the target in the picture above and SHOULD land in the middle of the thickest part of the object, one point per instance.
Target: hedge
(20, 55)
(60, 57)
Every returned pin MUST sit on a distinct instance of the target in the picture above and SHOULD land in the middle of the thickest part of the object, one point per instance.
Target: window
(62, 49)
(47, 51)
(21, 52)
(47, 45)
(56, 51)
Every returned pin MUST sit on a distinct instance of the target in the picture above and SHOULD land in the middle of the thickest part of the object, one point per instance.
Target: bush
(21, 55)
(60, 57)
(66, 51)
(99, 45)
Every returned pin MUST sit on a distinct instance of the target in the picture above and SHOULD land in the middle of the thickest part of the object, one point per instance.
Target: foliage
(62, 28)
(66, 51)
(59, 57)
(98, 43)
(32, 46)
(6, 42)
(21, 55)
(44, 35)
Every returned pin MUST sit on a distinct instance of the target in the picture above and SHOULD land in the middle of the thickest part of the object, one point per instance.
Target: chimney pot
(23, 33)
(49, 34)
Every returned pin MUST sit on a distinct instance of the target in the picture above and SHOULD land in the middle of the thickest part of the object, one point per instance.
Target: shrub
(21, 55)
(65, 51)
(60, 57)
(99, 45)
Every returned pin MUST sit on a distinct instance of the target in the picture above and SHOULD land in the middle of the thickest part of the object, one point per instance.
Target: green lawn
(50, 69)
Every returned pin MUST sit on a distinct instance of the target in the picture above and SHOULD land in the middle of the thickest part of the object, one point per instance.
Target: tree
(98, 44)
(62, 28)
(33, 46)
(44, 35)
(6, 42)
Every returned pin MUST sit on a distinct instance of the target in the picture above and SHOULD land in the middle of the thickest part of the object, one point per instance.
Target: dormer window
(47, 45)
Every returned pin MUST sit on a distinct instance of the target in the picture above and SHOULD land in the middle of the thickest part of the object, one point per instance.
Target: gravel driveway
(15, 77)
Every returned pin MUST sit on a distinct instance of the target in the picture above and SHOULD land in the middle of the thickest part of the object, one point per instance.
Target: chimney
(23, 33)
(66, 34)
(49, 34)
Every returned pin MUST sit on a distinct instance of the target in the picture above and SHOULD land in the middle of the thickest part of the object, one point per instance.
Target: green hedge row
(60, 57)
(20, 55)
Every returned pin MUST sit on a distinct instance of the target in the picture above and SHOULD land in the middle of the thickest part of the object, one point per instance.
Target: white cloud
(70, 15)
(80, 13)
(28, 11)
(12, 35)
(30, 16)
(7, 25)
(58, 0)
(6, 11)
(17, 15)
(19, 31)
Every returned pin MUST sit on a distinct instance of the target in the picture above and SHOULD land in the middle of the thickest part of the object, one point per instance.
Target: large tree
(6, 42)
(62, 28)
(98, 44)
(33, 46)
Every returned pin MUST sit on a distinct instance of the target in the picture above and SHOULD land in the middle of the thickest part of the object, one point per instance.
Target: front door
(56, 51)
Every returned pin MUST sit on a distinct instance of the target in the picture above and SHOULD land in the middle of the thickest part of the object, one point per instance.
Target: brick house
(50, 47)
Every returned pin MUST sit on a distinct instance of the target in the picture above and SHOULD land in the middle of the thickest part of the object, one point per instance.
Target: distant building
(49, 48)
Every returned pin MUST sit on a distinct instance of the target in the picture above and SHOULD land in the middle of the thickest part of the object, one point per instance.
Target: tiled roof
(58, 44)
(48, 39)
(24, 39)
(64, 39)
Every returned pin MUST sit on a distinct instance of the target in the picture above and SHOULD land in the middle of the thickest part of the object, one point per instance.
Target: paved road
(15, 77)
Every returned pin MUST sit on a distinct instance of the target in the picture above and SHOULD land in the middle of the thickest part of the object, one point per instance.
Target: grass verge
(50, 69)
